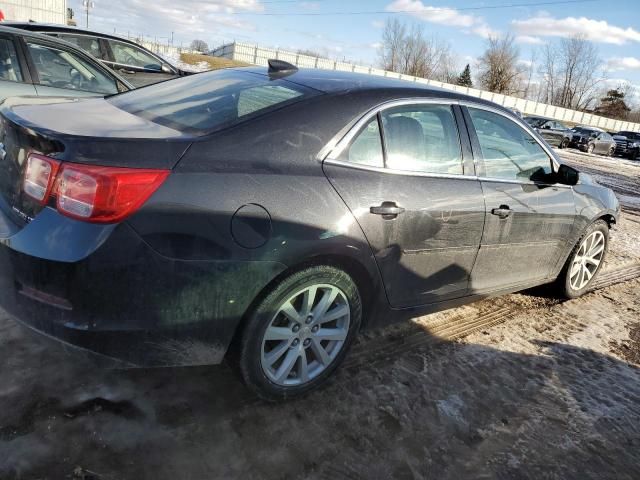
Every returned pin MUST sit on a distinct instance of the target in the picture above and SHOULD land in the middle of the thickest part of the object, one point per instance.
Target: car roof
(52, 27)
(7, 28)
(335, 82)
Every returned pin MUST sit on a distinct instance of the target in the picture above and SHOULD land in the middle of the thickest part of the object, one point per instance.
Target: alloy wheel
(305, 335)
(587, 260)
(590, 148)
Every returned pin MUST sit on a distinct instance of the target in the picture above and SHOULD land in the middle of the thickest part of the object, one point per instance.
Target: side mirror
(567, 175)
(166, 68)
(546, 127)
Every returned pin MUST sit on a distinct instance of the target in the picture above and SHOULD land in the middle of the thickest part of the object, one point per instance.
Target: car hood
(94, 117)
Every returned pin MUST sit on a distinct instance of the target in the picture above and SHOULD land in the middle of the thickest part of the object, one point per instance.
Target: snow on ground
(174, 59)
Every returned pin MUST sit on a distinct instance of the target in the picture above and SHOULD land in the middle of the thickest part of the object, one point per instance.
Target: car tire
(612, 150)
(590, 148)
(573, 280)
(282, 353)
(564, 143)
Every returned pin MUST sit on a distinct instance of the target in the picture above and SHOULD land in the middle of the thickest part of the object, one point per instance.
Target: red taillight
(91, 193)
(39, 177)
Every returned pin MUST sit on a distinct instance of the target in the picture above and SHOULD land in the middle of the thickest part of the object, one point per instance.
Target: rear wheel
(299, 334)
(585, 260)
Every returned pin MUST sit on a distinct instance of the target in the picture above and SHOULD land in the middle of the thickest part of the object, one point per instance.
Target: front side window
(64, 69)
(509, 152)
(126, 54)
(201, 104)
(9, 67)
(422, 138)
(366, 149)
(91, 45)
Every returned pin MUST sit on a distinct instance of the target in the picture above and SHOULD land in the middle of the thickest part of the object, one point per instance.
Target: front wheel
(585, 260)
(612, 151)
(300, 332)
(591, 148)
(564, 143)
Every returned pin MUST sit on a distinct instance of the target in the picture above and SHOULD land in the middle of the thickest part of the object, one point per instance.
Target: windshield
(630, 135)
(536, 122)
(203, 103)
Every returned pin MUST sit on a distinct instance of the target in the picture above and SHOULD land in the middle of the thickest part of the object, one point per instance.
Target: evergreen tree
(613, 105)
(465, 77)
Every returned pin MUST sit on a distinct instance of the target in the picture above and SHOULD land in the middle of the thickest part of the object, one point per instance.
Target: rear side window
(366, 149)
(422, 138)
(509, 152)
(126, 54)
(202, 103)
(91, 45)
(63, 69)
(9, 67)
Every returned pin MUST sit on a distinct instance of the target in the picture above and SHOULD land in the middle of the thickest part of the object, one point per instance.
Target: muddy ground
(522, 386)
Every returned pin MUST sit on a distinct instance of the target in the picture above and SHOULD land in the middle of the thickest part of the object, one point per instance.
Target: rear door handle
(503, 211)
(388, 210)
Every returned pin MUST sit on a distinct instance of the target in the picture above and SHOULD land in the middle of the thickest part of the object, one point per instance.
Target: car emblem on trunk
(3, 152)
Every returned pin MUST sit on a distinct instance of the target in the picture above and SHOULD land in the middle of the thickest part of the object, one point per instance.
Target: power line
(395, 12)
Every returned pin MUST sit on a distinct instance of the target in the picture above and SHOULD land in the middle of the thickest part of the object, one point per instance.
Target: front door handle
(388, 210)
(503, 211)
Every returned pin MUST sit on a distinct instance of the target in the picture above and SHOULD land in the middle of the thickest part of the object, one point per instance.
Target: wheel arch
(364, 279)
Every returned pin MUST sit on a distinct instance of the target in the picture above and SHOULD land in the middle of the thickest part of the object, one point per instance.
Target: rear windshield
(202, 103)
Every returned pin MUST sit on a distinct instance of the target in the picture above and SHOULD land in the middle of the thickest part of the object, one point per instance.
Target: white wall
(44, 11)
(256, 55)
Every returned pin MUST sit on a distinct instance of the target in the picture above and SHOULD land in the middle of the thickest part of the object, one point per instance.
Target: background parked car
(134, 62)
(554, 132)
(628, 144)
(34, 64)
(599, 142)
(582, 136)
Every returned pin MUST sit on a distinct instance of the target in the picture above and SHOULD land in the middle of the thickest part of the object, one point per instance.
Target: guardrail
(256, 55)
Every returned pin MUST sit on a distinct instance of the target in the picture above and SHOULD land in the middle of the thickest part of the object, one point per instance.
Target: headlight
(635, 145)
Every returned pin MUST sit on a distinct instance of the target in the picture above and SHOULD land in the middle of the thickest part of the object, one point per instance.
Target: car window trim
(133, 67)
(341, 142)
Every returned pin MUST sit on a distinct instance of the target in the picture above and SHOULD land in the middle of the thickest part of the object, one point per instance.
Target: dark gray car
(34, 64)
(554, 132)
(137, 64)
(269, 216)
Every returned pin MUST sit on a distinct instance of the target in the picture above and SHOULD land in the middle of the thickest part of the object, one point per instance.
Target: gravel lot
(522, 386)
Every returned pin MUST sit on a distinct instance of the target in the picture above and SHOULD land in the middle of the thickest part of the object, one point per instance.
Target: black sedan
(269, 216)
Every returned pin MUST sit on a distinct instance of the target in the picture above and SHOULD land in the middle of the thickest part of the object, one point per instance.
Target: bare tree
(571, 73)
(199, 46)
(498, 66)
(406, 50)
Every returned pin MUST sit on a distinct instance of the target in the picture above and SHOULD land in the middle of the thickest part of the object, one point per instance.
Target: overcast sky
(326, 25)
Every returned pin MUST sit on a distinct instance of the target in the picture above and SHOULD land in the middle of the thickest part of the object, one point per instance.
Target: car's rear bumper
(129, 303)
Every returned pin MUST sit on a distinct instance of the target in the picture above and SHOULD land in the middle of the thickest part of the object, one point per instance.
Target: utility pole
(88, 5)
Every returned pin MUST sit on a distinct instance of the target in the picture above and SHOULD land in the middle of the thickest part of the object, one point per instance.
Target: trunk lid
(91, 132)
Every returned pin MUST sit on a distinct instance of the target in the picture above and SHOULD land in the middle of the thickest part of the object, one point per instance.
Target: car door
(59, 71)
(409, 181)
(14, 76)
(137, 65)
(528, 217)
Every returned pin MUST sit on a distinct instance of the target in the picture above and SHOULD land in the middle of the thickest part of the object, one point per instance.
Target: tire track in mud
(377, 350)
